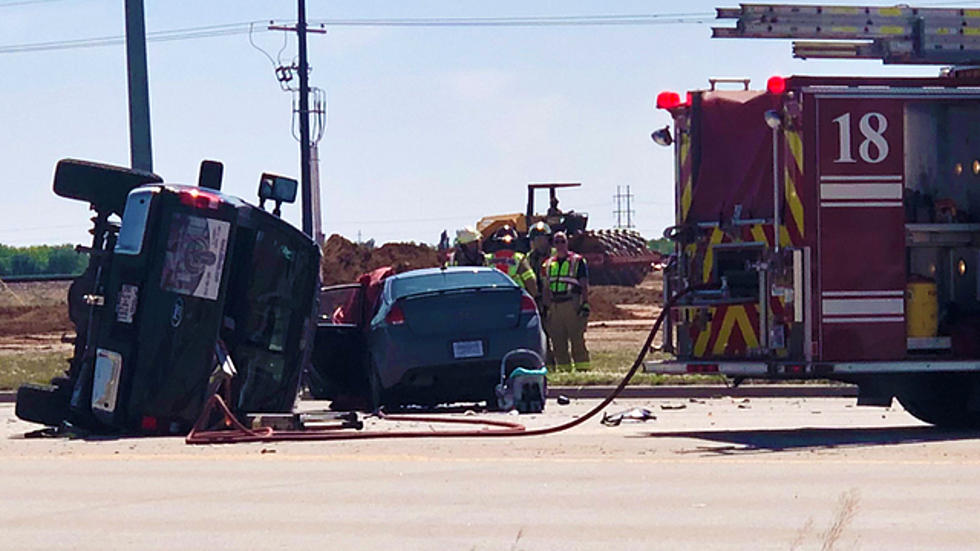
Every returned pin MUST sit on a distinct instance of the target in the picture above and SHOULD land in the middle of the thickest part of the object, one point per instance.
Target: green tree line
(661, 245)
(41, 260)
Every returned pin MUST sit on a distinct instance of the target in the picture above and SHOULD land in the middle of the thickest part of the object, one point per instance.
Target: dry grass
(802, 535)
(847, 508)
(607, 367)
(41, 293)
(520, 534)
(31, 367)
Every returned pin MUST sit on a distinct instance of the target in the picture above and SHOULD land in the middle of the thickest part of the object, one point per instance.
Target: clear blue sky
(429, 128)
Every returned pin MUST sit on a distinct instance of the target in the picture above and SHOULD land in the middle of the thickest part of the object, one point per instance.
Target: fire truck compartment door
(861, 248)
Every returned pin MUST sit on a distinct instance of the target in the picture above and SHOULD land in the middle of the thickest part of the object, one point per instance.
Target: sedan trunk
(462, 311)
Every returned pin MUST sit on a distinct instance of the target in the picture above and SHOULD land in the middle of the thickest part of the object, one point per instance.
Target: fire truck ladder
(897, 35)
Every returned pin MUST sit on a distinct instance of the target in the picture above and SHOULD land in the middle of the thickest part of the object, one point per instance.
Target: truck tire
(43, 404)
(941, 399)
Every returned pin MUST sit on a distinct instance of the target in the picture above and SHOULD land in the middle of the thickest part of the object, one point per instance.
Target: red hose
(241, 433)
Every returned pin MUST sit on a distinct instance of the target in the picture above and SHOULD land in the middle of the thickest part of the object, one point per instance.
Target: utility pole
(140, 152)
(304, 121)
(305, 143)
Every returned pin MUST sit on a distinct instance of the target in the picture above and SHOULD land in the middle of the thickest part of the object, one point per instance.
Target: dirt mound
(28, 320)
(343, 260)
(613, 302)
(603, 310)
(627, 295)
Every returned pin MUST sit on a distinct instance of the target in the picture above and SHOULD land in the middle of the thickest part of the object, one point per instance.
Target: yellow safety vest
(561, 273)
(509, 262)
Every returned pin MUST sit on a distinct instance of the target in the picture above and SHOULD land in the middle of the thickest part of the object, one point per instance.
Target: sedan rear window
(448, 280)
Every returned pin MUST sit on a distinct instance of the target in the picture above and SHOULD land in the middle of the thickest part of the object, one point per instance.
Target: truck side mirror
(278, 188)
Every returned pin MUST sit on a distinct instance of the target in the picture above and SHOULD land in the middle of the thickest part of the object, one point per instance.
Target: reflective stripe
(561, 274)
(509, 262)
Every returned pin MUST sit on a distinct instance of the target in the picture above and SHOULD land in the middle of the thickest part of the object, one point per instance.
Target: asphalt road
(808, 473)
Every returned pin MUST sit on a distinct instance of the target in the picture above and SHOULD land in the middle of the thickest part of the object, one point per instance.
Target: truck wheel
(43, 404)
(941, 399)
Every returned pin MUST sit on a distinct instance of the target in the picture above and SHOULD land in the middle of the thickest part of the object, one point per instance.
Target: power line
(157, 36)
(25, 3)
(230, 29)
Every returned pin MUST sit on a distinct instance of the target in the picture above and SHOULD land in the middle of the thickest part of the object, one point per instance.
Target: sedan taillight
(395, 315)
(527, 305)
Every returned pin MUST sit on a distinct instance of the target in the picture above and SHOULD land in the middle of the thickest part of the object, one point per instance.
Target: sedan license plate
(467, 349)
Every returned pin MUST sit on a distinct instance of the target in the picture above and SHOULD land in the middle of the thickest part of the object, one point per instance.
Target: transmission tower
(624, 207)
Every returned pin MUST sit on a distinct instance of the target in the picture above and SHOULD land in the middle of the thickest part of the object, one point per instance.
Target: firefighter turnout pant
(565, 326)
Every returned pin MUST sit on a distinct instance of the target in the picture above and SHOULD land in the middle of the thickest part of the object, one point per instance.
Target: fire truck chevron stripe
(731, 331)
(709, 255)
(726, 339)
(686, 174)
(794, 175)
(701, 344)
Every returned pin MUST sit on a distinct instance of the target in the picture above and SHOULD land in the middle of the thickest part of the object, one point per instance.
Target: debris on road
(673, 406)
(563, 400)
(638, 415)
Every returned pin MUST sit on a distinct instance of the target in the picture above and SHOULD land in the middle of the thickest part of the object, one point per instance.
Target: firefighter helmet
(467, 235)
(539, 229)
(505, 235)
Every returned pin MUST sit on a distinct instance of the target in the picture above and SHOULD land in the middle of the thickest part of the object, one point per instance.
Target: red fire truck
(829, 227)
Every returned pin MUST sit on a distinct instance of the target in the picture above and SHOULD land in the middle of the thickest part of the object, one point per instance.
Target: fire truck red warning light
(668, 100)
(776, 85)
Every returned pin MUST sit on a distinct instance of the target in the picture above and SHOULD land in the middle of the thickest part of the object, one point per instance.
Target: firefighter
(566, 298)
(540, 237)
(468, 251)
(506, 259)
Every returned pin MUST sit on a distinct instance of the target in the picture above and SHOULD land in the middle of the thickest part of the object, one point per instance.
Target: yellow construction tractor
(615, 256)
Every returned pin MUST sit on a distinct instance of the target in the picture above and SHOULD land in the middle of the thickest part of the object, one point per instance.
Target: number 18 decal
(874, 147)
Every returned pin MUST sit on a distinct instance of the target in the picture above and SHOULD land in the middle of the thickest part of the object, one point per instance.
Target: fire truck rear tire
(941, 399)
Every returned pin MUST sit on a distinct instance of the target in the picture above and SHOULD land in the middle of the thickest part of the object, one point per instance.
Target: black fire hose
(237, 432)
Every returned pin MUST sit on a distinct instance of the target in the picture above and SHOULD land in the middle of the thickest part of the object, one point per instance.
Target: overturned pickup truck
(185, 286)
